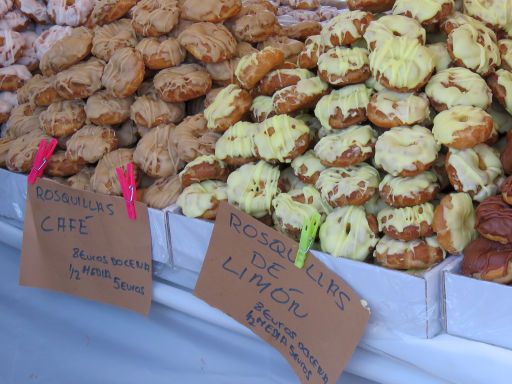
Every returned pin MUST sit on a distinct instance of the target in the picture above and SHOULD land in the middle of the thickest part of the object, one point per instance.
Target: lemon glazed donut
(91, 143)
(430, 13)
(313, 48)
(123, 73)
(402, 64)
(458, 86)
(493, 13)
(344, 66)
(391, 26)
(105, 180)
(229, 106)
(61, 166)
(308, 194)
(488, 260)
(214, 11)
(108, 11)
(63, 118)
(110, 38)
(203, 168)
(414, 254)
(441, 55)
(182, 83)
(281, 78)
(400, 192)
(350, 146)
(289, 215)
(281, 139)
(23, 118)
(201, 200)
(406, 151)
(345, 28)
(13, 77)
(501, 84)
(192, 138)
(307, 167)
(505, 47)
(349, 232)
(252, 187)
(104, 109)
(162, 52)
(474, 170)
(408, 223)
(236, 146)
(353, 185)
(153, 18)
(454, 222)
(388, 109)
(81, 80)
(376, 6)
(462, 127)
(253, 67)
(22, 151)
(262, 108)
(303, 95)
(493, 217)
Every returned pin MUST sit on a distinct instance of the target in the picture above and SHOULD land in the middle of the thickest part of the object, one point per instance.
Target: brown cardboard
(83, 243)
(309, 315)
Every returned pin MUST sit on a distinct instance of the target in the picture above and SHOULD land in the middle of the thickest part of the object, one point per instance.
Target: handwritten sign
(310, 315)
(83, 243)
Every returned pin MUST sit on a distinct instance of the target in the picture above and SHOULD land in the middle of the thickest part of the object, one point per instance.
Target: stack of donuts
(379, 117)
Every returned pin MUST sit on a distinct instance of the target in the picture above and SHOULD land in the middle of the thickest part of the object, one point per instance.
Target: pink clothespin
(127, 182)
(43, 154)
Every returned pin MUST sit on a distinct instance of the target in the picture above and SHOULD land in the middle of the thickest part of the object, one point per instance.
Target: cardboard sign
(83, 243)
(310, 315)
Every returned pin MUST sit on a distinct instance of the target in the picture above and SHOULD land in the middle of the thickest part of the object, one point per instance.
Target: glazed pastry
(13, 77)
(156, 153)
(214, 11)
(506, 155)
(203, 168)
(281, 78)
(281, 139)
(400, 192)
(236, 146)
(29, 57)
(308, 194)
(63, 118)
(408, 223)
(493, 220)
(108, 11)
(123, 73)
(201, 200)
(127, 134)
(229, 107)
(11, 47)
(343, 107)
(182, 83)
(149, 111)
(375, 6)
(488, 260)
(81, 80)
(454, 222)
(345, 28)
(404, 151)
(288, 181)
(8, 102)
(308, 167)
(350, 146)
(253, 24)
(441, 55)
(49, 37)
(110, 38)
(23, 119)
(302, 30)
(252, 187)
(462, 127)
(192, 138)
(105, 180)
(59, 165)
(82, 180)
(289, 215)
(72, 14)
(253, 67)
(458, 86)
(501, 84)
(290, 47)
(105, 109)
(402, 64)
(344, 66)
(475, 170)
(262, 108)
(506, 190)
(163, 192)
(493, 13)
(415, 254)
(155, 17)
(302, 95)
(353, 185)
(391, 26)
(505, 47)
(14, 20)
(313, 48)
(348, 232)
(388, 109)
(160, 53)
(428, 12)
(39, 90)
(22, 151)
(91, 143)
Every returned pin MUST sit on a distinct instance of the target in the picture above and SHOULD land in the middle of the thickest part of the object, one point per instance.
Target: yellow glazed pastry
(427, 12)
(289, 215)
(505, 47)
(402, 192)
(388, 109)
(497, 13)
(202, 199)
(441, 55)
(503, 89)
(236, 145)
(229, 106)
(307, 167)
(407, 223)
(345, 28)
(343, 66)
(262, 108)
(391, 26)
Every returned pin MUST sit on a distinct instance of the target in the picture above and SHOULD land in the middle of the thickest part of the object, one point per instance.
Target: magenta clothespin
(127, 182)
(44, 152)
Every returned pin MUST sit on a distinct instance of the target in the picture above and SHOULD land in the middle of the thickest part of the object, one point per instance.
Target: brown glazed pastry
(192, 138)
(305, 94)
(208, 42)
(13, 77)
(61, 166)
(104, 180)
(281, 78)
(488, 260)
(35, 10)
(5, 144)
(23, 119)
(252, 68)
(81, 80)
(11, 47)
(223, 73)
(67, 51)
(313, 48)
(214, 11)
(91, 143)
(290, 47)
(302, 30)
(415, 254)
(182, 83)
(127, 134)
(163, 192)
(104, 109)
(22, 151)
(506, 155)
(108, 11)
(162, 52)
(155, 17)
(253, 24)
(506, 190)
(375, 6)
(82, 180)
(149, 111)
(63, 118)
(39, 90)
(203, 168)
(123, 73)
(110, 38)
(211, 96)
(494, 220)
(229, 106)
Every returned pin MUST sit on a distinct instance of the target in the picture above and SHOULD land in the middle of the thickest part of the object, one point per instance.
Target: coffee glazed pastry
(375, 6)
(454, 222)
(475, 170)
(488, 260)
(253, 23)
(505, 47)
(441, 55)
(236, 146)
(388, 109)
(105, 180)
(123, 73)
(13, 77)
(252, 68)
(49, 37)
(229, 106)
(81, 80)
(69, 13)
(82, 180)
(402, 64)
(160, 53)
(104, 109)
(110, 38)
(22, 151)
(391, 26)
(349, 146)
(399, 192)
(23, 119)
(149, 111)
(108, 11)
(182, 83)
(407, 223)
(163, 192)
(67, 51)
(344, 66)
(201, 200)
(290, 47)
(262, 108)
(7, 103)
(154, 18)
(281, 78)
(414, 254)
(91, 143)
(303, 95)
(458, 86)
(428, 12)
(208, 42)
(214, 11)
(406, 151)
(192, 138)
(307, 167)
(501, 85)
(349, 232)
(353, 185)
(61, 166)
(63, 118)
(493, 219)
(345, 28)
(313, 48)
(5, 6)
(39, 90)
(203, 168)
(289, 215)
(14, 20)
(29, 57)
(252, 187)
(281, 139)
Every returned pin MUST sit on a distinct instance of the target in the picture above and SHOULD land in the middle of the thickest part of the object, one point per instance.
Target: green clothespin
(307, 237)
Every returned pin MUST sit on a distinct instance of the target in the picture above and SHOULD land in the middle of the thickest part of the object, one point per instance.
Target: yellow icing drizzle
(290, 212)
(421, 10)
(310, 161)
(198, 198)
(407, 107)
(237, 141)
(410, 186)
(401, 218)
(339, 61)
(389, 26)
(222, 106)
(460, 220)
(331, 147)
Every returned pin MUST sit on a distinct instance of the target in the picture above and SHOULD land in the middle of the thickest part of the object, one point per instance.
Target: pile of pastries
(379, 117)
